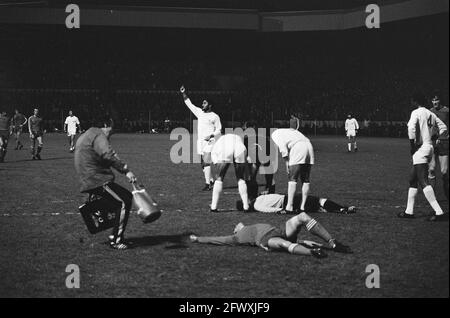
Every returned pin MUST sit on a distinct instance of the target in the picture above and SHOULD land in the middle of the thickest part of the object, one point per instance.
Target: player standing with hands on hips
(36, 130)
(420, 131)
(351, 128)
(70, 127)
(209, 129)
(94, 158)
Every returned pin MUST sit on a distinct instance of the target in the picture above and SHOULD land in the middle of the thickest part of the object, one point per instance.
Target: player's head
(16, 111)
(238, 227)
(349, 116)
(206, 105)
(36, 111)
(106, 124)
(70, 113)
(436, 100)
(418, 99)
(249, 124)
(294, 122)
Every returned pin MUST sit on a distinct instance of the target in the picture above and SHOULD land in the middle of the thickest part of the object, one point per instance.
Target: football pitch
(42, 232)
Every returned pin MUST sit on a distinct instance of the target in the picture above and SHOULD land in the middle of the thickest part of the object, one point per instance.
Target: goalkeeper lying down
(276, 203)
(282, 238)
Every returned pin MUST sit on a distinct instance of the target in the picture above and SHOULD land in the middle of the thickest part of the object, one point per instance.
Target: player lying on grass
(94, 158)
(276, 203)
(283, 238)
(420, 131)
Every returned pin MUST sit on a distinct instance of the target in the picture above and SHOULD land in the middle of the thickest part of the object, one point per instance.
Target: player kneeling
(229, 149)
(283, 238)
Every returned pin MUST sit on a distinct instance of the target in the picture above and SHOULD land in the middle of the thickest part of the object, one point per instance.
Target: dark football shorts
(275, 232)
(441, 149)
(16, 129)
(37, 134)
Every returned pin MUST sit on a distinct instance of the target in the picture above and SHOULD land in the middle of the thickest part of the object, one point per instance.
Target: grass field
(42, 231)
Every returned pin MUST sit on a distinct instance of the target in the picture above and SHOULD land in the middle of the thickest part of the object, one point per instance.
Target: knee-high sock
(305, 193)
(349, 146)
(429, 194)
(412, 193)
(39, 148)
(317, 229)
(292, 187)
(242, 186)
(207, 173)
(355, 145)
(217, 189)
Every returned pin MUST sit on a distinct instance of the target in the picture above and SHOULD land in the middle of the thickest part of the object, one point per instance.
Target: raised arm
(356, 124)
(29, 126)
(194, 109)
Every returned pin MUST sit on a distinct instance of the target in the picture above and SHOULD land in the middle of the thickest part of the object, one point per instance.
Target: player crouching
(283, 238)
(94, 158)
(229, 149)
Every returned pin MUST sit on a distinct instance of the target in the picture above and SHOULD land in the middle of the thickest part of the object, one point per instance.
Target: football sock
(331, 206)
(242, 186)
(429, 194)
(292, 186)
(39, 148)
(349, 146)
(305, 193)
(207, 173)
(412, 193)
(355, 145)
(217, 189)
(317, 229)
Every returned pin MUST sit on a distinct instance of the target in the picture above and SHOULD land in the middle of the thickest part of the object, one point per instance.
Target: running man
(208, 130)
(94, 158)
(283, 238)
(4, 135)
(298, 154)
(440, 147)
(351, 128)
(17, 122)
(420, 131)
(36, 130)
(70, 127)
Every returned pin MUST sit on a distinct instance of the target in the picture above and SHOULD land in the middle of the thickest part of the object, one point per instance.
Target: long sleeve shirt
(208, 123)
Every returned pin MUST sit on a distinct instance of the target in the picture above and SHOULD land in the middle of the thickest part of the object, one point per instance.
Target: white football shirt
(286, 138)
(72, 122)
(208, 123)
(421, 125)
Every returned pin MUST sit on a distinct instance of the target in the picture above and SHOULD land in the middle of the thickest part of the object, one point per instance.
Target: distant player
(298, 154)
(4, 135)
(420, 131)
(283, 238)
(94, 160)
(351, 128)
(229, 149)
(441, 146)
(70, 127)
(36, 130)
(17, 122)
(276, 203)
(209, 129)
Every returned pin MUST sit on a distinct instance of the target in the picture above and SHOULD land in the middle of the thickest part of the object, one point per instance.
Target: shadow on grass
(44, 159)
(171, 241)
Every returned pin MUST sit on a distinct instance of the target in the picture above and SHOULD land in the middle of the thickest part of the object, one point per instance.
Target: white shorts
(351, 133)
(204, 146)
(229, 149)
(301, 153)
(423, 155)
(71, 133)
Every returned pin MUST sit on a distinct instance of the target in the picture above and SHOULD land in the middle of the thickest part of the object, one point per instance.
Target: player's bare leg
(277, 244)
(305, 171)
(39, 148)
(293, 176)
(242, 185)
(33, 147)
(432, 171)
(355, 146)
(18, 143)
(349, 144)
(206, 167)
(222, 169)
(3, 148)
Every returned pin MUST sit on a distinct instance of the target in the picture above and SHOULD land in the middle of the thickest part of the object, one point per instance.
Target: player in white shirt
(420, 131)
(70, 127)
(298, 154)
(351, 128)
(229, 149)
(209, 129)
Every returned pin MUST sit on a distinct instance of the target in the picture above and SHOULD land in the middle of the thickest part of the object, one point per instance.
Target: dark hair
(419, 98)
(105, 121)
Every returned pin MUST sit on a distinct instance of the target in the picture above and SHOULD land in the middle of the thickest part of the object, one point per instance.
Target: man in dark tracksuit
(283, 238)
(94, 158)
